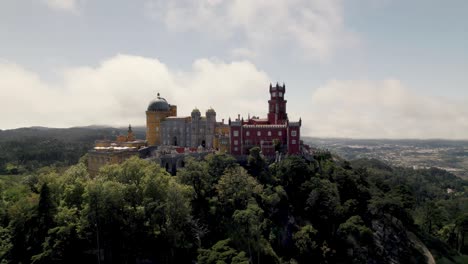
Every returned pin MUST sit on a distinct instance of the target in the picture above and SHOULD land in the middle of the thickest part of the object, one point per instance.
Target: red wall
(294, 148)
(247, 138)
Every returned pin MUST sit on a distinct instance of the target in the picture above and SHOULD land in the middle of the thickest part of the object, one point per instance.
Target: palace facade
(196, 134)
(275, 133)
(272, 134)
(165, 128)
(114, 152)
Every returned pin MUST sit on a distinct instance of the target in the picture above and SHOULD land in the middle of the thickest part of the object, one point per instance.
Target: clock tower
(277, 105)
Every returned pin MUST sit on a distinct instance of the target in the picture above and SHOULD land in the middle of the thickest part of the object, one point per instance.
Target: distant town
(448, 155)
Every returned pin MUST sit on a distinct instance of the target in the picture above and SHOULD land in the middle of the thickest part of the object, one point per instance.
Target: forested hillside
(215, 211)
(27, 149)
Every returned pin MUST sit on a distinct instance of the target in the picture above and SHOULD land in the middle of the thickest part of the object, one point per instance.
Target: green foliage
(453, 260)
(236, 188)
(324, 200)
(222, 253)
(196, 174)
(5, 242)
(305, 239)
(255, 162)
(216, 211)
(217, 164)
(355, 228)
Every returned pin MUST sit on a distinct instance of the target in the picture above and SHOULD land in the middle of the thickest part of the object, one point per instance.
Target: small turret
(196, 114)
(211, 115)
(210, 112)
(130, 135)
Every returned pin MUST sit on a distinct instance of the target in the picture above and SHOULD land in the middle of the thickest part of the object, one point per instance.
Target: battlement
(278, 87)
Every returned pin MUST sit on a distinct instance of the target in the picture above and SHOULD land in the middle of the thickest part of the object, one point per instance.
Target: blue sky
(353, 68)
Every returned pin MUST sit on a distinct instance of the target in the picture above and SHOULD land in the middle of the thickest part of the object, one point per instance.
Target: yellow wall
(221, 138)
(173, 110)
(153, 124)
(104, 153)
(102, 143)
(130, 136)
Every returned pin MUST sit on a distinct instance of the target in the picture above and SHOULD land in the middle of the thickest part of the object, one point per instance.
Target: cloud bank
(315, 28)
(384, 109)
(118, 91)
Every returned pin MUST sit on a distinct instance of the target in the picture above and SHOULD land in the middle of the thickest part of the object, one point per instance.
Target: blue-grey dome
(158, 104)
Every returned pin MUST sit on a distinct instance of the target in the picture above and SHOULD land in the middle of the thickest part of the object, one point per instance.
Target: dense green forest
(216, 211)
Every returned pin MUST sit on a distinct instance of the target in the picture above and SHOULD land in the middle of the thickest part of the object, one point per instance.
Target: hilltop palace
(170, 138)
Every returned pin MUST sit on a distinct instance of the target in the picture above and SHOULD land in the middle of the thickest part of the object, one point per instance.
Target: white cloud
(313, 28)
(384, 109)
(118, 91)
(65, 5)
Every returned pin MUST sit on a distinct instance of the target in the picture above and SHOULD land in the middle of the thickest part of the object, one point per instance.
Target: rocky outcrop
(395, 245)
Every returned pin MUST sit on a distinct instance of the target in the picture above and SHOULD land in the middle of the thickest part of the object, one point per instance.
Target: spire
(130, 136)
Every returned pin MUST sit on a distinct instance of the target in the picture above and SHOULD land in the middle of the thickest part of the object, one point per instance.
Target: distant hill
(25, 149)
(73, 134)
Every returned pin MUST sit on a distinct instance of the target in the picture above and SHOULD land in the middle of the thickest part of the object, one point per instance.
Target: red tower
(277, 105)
(275, 134)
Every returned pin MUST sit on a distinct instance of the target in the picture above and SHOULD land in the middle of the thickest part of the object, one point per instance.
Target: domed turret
(196, 113)
(211, 114)
(159, 104)
(210, 111)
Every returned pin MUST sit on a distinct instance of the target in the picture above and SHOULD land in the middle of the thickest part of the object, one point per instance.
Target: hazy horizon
(143, 126)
